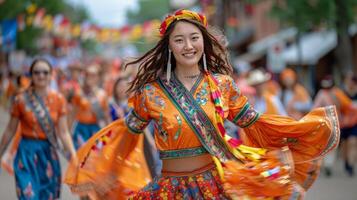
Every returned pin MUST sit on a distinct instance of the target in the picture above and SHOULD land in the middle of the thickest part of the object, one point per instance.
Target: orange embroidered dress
(36, 165)
(186, 125)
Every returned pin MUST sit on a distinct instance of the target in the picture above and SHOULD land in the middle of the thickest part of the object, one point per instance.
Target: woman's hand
(66, 137)
(8, 134)
(7, 162)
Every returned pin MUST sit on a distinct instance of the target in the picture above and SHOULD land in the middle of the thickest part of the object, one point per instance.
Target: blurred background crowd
(287, 56)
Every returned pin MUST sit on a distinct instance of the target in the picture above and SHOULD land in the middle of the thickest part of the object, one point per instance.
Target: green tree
(26, 39)
(148, 10)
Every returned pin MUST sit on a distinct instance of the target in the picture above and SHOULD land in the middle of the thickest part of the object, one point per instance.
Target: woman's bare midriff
(188, 164)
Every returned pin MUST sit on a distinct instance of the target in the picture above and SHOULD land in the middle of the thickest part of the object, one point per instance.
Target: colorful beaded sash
(43, 117)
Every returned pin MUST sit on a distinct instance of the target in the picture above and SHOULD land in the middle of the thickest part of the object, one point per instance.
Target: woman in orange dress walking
(294, 96)
(42, 115)
(91, 107)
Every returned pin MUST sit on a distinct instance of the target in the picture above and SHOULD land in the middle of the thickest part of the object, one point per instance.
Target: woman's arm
(65, 136)
(8, 134)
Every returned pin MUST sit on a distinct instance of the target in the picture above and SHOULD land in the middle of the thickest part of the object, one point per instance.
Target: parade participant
(91, 107)
(264, 101)
(183, 86)
(15, 83)
(349, 134)
(71, 87)
(14, 87)
(119, 102)
(41, 113)
(329, 94)
(294, 96)
(74, 81)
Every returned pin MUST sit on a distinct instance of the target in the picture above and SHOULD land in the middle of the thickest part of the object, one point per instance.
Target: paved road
(338, 187)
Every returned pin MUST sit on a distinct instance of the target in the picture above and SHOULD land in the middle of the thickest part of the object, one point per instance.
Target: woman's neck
(187, 72)
(41, 91)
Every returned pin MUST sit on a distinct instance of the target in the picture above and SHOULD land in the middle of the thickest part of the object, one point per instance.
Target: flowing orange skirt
(112, 164)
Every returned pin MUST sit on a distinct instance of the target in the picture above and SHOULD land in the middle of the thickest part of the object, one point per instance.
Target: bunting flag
(9, 32)
(21, 22)
(47, 23)
(31, 9)
(37, 22)
(60, 25)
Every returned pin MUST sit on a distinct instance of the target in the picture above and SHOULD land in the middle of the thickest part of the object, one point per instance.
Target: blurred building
(258, 39)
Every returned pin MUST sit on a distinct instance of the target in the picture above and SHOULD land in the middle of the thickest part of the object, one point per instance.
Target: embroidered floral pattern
(135, 123)
(196, 118)
(28, 192)
(237, 92)
(159, 127)
(206, 185)
(34, 159)
(202, 95)
(224, 83)
(143, 98)
(156, 99)
(179, 122)
(21, 166)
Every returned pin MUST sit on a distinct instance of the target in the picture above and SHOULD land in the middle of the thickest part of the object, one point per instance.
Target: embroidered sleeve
(138, 117)
(240, 111)
(135, 123)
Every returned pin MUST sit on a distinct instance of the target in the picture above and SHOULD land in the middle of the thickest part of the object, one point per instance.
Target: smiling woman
(40, 72)
(41, 113)
(183, 86)
(186, 44)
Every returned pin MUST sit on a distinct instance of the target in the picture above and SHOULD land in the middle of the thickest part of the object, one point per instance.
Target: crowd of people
(180, 97)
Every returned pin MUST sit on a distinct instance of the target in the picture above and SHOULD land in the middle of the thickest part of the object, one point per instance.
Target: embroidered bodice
(170, 107)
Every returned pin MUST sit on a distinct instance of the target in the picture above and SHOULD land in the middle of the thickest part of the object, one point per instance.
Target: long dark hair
(153, 63)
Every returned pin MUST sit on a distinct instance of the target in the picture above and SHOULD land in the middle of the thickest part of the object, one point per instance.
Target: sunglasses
(38, 72)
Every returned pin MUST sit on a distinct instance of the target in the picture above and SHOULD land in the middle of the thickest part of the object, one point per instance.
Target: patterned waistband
(179, 153)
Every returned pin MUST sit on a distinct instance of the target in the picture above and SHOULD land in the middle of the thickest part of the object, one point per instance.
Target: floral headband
(182, 14)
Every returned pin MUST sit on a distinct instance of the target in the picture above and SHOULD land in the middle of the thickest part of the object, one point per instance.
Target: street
(338, 187)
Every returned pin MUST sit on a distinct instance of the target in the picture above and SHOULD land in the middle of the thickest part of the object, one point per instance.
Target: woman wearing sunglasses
(184, 86)
(41, 113)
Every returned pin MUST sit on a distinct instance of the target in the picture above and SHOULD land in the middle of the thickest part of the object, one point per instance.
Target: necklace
(192, 76)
